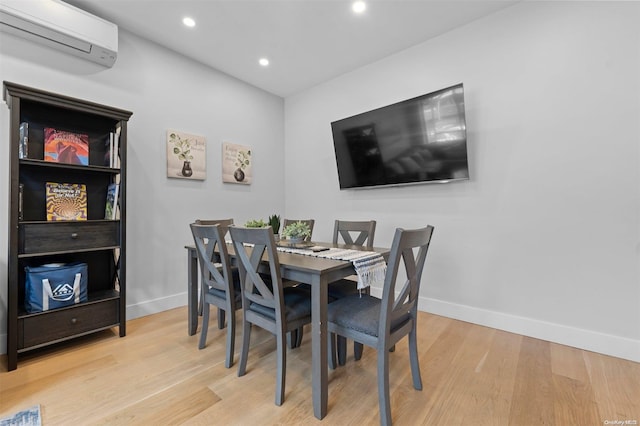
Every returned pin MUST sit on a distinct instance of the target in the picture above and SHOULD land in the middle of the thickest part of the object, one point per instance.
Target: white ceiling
(307, 41)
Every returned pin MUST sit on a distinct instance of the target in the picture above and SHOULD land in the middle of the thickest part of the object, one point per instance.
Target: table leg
(192, 291)
(319, 375)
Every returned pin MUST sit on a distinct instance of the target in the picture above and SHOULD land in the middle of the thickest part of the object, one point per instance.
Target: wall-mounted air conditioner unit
(63, 27)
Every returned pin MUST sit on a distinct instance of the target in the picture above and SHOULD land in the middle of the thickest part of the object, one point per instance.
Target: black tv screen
(419, 140)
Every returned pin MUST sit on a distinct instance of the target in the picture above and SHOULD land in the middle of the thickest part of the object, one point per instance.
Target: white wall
(164, 91)
(544, 240)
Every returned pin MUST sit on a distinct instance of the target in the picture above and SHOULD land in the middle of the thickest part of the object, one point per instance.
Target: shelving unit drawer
(65, 323)
(67, 236)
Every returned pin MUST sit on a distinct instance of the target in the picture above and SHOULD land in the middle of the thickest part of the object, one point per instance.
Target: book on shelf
(108, 148)
(66, 201)
(23, 146)
(116, 148)
(111, 207)
(112, 149)
(66, 147)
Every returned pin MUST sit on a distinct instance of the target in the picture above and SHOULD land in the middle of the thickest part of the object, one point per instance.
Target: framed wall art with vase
(236, 163)
(186, 156)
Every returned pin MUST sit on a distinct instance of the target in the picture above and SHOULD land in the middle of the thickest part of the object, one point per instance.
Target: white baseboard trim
(154, 306)
(594, 341)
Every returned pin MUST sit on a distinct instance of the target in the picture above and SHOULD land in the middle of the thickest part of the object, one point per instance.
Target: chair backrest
(215, 266)
(400, 306)
(309, 222)
(250, 245)
(363, 231)
(224, 222)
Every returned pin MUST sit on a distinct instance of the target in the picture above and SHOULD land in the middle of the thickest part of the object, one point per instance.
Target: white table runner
(370, 266)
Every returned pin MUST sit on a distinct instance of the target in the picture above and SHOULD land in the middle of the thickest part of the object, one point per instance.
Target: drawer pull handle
(74, 236)
(74, 320)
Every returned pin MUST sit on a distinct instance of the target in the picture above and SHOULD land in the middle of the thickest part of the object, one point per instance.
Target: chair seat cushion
(236, 284)
(342, 288)
(339, 289)
(223, 294)
(297, 305)
(360, 313)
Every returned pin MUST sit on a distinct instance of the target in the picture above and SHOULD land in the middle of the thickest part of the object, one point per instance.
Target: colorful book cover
(66, 147)
(112, 201)
(66, 201)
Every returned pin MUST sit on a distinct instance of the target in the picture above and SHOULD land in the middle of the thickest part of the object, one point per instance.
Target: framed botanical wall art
(236, 163)
(186, 156)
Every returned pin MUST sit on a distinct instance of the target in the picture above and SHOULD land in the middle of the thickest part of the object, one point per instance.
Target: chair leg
(413, 357)
(201, 301)
(282, 366)
(342, 350)
(300, 334)
(221, 318)
(292, 338)
(357, 350)
(205, 326)
(244, 351)
(231, 339)
(383, 387)
(331, 356)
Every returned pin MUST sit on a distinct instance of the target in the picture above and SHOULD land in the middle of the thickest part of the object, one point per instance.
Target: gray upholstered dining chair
(310, 222)
(226, 223)
(270, 306)
(220, 281)
(381, 323)
(360, 233)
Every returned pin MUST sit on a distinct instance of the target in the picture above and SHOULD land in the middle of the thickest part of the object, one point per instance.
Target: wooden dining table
(316, 271)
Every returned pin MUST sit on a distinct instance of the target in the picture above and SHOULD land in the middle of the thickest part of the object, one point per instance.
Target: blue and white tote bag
(55, 286)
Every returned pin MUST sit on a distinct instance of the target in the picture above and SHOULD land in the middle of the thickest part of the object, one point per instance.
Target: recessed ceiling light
(264, 62)
(189, 22)
(359, 6)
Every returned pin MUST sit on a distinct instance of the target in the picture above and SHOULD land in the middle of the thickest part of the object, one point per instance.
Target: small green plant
(256, 223)
(181, 147)
(274, 221)
(297, 230)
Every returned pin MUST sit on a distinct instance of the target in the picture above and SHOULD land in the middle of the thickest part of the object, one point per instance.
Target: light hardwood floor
(472, 375)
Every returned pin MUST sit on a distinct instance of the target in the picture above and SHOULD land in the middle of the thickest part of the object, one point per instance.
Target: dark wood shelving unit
(34, 241)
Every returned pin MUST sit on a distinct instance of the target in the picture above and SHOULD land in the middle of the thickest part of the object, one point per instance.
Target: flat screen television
(419, 140)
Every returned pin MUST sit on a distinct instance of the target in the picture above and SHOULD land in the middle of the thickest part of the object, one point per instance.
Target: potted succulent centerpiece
(256, 223)
(296, 232)
(274, 221)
